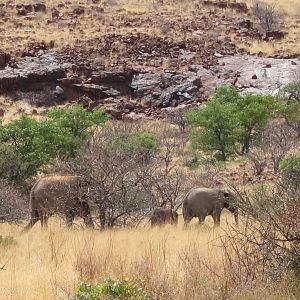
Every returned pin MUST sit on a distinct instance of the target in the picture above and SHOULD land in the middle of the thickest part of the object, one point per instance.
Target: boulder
(114, 112)
(166, 89)
(40, 7)
(79, 10)
(274, 35)
(22, 11)
(96, 91)
(34, 70)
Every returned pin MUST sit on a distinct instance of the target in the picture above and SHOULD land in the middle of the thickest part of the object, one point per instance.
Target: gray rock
(143, 84)
(96, 91)
(166, 89)
(32, 70)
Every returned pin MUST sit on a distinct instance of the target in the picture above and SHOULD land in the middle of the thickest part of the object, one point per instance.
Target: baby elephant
(161, 216)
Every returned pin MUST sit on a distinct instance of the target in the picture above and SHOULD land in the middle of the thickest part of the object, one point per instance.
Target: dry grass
(290, 10)
(166, 18)
(175, 263)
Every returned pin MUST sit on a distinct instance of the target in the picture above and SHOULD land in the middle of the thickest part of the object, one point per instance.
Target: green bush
(292, 90)
(228, 123)
(27, 144)
(74, 126)
(112, 289)
(290, 111)
(142, 144)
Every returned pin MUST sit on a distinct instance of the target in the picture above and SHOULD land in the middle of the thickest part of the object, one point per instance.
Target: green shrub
(112, 289)
(292, 90)
(142, 144)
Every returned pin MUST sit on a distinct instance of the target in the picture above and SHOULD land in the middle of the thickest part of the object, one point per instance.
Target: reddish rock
(274, 35)
(78, 10)
(2, 112)
(40, 7)
(22, 11)
(114, 112)
(254, 76)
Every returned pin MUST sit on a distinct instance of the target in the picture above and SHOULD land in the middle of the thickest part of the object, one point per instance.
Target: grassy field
(175, 263)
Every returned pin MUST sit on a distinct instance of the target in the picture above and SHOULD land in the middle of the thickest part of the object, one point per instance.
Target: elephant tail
(184, 210)
(34, 214)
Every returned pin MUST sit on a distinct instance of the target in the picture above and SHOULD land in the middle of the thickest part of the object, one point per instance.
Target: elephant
(202, 202)
(58, 194)
(161, 216)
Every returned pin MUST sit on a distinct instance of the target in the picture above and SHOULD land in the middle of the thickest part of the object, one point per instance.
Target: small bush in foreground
(112, 289)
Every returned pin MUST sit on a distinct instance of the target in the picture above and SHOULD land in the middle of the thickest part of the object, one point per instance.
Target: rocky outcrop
(166, 89)
(50, 78)
(33, 70)
(238, 6)
(256, 75)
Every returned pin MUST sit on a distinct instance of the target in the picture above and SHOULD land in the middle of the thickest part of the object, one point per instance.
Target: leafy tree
(253, 113)
(216, 128)
(290, 111)
(229, 121)
(74, 126)
(27, 144)
(226, 94)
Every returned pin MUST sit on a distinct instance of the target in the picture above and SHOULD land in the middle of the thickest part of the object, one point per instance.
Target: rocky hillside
(138, 59)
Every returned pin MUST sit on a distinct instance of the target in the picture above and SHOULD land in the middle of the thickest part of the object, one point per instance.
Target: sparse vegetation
(268, 15)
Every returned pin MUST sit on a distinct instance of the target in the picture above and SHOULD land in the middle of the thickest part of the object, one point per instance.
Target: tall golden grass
(175, 263)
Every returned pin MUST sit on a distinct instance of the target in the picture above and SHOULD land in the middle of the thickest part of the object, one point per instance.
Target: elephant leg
(153, 222)
(86, 215)
(216, 217)
(70, 215)
(187, 220)
(102, 217)
(201, 219)
(44, 221)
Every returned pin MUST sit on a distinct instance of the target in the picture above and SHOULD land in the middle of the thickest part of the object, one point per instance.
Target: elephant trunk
(236, 216)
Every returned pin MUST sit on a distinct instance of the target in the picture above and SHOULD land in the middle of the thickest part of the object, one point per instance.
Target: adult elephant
(161, 216)
(58, 194)
(202, 202)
